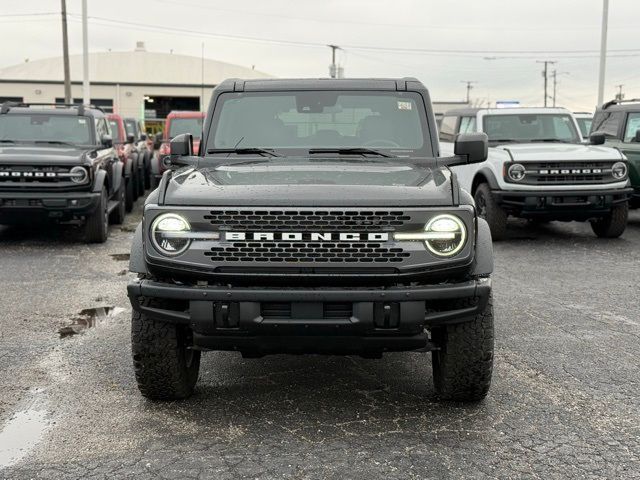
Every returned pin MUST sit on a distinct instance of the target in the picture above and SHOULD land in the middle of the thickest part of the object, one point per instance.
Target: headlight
(516, 172)
(170, 234)
(619, 170)
(79, 175)
(444, 235)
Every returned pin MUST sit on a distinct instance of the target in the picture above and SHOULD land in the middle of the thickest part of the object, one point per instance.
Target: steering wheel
(381, 143)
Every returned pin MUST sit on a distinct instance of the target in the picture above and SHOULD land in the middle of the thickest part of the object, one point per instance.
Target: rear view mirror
(473, 146)
(597, 138)
(181, 145)
(106, 141)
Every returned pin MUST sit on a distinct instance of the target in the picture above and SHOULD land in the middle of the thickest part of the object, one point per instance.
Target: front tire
(463, 366)
(118, 213)
(493, 213)
(614, 224)
(97, 224)
(165, 368)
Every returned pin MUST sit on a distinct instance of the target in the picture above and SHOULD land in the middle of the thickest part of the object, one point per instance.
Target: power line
(546, 77)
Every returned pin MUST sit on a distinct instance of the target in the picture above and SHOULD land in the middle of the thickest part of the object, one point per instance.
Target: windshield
(130, 127)
(178, 126)
(44, 128)
(287, 121)
(531, 127)
(585, 126)
(115, 131)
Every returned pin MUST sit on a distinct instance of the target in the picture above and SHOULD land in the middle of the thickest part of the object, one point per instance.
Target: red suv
(124, 145)
(175, 124)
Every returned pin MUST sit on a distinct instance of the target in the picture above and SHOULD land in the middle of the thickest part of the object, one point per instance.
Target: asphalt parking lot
(564, 402)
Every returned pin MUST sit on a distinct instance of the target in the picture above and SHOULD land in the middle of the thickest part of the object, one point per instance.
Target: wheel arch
(483, 176)
(136, 258)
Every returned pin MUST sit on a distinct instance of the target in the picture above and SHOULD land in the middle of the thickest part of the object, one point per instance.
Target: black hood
(41, 154)
(313, 182)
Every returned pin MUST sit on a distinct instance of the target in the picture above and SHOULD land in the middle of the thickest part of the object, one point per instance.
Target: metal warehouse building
(138, 84)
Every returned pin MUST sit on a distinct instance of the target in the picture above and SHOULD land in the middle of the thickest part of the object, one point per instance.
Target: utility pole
(554, 74)
(86, 94)
(619, 95)
(469, 88)
(545, 74)
(333, 68)
(65, 54)
(603, 51)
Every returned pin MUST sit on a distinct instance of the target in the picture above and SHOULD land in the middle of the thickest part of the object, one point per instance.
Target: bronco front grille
(568, 173)
(306, 220)
(326, 252)
(27, 175)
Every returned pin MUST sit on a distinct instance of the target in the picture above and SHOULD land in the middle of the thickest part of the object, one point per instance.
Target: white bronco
(539, 168)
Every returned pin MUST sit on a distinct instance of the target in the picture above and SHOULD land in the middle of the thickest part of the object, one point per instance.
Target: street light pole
(65, 54)
(86, 94)
(603, 50)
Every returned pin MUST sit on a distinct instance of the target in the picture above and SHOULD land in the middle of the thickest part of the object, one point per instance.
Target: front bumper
(365, 321)
(561, 204)
(17, 206)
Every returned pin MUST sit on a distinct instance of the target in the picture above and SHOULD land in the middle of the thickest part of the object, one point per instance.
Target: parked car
(584, 120)
(132, 127)
(177, 123)
(58, 164)
(619, 122)
(539, 169)
(323, 233)
(124, 145)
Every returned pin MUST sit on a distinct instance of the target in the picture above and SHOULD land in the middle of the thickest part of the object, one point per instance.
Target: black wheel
(128, 195)
(493, 213)
(97, 224)
(147, 170)
(463, 366)
(118, 213)
(614, 224)
(141, 181)
(134, 183)
(165, 367)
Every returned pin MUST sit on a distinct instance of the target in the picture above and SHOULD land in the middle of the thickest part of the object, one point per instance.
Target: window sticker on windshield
(404, 105)
(82, 121)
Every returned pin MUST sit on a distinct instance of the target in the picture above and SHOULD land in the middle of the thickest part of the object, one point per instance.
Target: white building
(137, 84)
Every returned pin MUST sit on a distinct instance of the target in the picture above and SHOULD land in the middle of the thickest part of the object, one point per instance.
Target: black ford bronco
(318, 217)
(57, 163)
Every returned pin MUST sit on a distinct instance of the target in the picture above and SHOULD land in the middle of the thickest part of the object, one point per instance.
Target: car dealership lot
(564, 402)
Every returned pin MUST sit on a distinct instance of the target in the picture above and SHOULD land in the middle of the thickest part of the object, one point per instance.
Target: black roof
(285, 84)
(632, 104)
(51, 109)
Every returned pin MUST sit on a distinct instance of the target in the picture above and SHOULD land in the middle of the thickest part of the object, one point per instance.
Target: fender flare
(99, 182)
(117, 175)
(136, 259)
(489, 175)
(483, 262)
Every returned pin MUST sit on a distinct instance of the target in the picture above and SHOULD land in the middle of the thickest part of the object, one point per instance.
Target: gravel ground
(564, 402)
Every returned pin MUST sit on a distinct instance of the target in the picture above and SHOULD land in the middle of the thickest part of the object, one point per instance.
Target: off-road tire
(493, 213)
(141, 181)
(165, 368)
(128, 196)
(118, 213)
(463, 365)
(134, 183)
(614, 224)
(96, 227)
(147, 171)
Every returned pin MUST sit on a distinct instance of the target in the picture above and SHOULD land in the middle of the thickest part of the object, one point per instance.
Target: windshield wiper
(246, 151)
(350, 151)
(503, 140)
(6, 140)
(53, 142)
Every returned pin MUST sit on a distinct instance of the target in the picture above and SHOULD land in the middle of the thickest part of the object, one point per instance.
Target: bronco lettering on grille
(308, 236)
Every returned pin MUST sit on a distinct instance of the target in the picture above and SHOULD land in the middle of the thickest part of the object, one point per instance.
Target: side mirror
(472, 147)
(130, 138)
(181, 145)
(143, 136)
(157, 140)
(597, 138)
(106, 140)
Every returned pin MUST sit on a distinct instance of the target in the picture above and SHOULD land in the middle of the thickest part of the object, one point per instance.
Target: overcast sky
(452, 41)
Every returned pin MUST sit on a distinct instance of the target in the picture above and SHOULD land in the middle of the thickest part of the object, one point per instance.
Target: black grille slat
(534, 177)
(308, 220)
(271, 251)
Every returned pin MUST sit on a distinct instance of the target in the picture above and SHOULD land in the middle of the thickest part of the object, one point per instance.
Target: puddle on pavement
(89, 318)
(22, 432)
(120, 257)
(128, 228)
